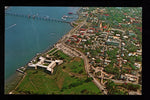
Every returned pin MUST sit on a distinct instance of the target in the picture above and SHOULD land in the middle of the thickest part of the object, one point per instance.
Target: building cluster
(129, 77)
(96, 38)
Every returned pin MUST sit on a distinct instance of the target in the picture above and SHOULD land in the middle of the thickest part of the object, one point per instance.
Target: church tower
(100, 24)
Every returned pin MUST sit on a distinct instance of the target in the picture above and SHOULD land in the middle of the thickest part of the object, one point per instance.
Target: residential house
(137, 65)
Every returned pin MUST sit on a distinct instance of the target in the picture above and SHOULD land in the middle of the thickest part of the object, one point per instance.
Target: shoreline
(34, 57)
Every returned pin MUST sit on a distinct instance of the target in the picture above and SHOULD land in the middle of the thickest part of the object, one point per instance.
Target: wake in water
(10, 26)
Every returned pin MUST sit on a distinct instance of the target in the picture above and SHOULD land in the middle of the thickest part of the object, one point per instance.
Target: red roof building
(82, 29)
(68, 40)
(106, 14)
(105, 27)
(132, 18)
(125, 13)
(134, 38)
(101, 29)
(140, 28)
(92, 28)
(79, 38)
(74, 36)
(82, 33)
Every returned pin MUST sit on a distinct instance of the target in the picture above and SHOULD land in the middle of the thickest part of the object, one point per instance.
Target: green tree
(131, 86)
(97, 60)
(94, 53)
(88, 42)
(88, 79)
(138, 58)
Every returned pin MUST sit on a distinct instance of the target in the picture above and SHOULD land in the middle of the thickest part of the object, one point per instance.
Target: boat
(70, 13)
(63, 18)
(33, 16)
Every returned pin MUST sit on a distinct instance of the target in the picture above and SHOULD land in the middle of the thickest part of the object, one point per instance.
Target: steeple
(100, 24)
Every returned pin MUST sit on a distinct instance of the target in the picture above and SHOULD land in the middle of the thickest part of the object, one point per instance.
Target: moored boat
(70, 13)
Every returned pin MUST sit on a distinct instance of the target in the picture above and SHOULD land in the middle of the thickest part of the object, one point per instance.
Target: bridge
(44, 18)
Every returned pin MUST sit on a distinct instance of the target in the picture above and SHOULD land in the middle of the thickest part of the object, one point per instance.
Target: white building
(31, 65)
(137, 65)
(123, 44)
(59, 61)
(90, 31)
(130, 54)
(108, 60)
(117, 34)
(84, 40)
(131, 77)
(125, 37)
(49, 67)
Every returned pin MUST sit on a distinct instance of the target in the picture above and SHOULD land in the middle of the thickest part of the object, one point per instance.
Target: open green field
(62, 82)
(85, 88)
(59, 54)
(37, 82)
(76, 65)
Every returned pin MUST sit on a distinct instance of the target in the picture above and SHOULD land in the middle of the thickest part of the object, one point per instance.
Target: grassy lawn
(76, 66)
(45, 64)
(37, 82)
(85, 88)
(74, 24)
(59, 54)
(78, 21)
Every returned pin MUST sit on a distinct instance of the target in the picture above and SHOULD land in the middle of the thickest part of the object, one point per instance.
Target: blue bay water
(24, 37)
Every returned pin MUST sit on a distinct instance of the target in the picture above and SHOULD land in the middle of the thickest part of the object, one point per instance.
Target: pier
(36, 17)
